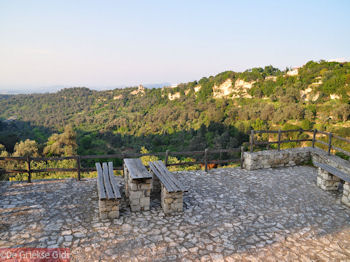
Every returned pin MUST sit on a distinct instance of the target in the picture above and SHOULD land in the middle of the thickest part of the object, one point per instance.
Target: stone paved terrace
(229, 215)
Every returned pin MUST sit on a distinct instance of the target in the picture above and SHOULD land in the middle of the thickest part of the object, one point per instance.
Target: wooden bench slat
(169, 187)
(113, 180)
(334, 171)
(167, 179)
(136, 169)
(107, 183)
(100, 184)
(178, 185)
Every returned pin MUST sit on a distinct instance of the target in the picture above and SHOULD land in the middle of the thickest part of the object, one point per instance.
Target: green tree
(62, 144)
(146, 159)
(26, 148)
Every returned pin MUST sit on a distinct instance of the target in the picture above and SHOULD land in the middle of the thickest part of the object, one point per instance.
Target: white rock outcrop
(223, 90)
(139, 90)
(197, 88)
(174, 96)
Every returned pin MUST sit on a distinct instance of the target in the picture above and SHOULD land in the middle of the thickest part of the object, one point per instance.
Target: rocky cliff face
(237, 89)
(223, 90)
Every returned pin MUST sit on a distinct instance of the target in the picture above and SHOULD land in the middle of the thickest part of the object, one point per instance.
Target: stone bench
(137, 184)
(329, 178)
(108, 191)
(171, 189)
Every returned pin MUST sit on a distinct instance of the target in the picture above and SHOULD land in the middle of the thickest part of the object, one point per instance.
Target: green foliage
(62, 144)
(26, 148)
(146, 159)
(306, 124)
(116, 121)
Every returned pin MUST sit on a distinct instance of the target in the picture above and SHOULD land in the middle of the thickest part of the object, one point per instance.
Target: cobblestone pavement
(230, 215)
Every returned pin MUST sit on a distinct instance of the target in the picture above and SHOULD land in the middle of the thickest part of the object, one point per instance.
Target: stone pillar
(139, 191)
(155, 184)
(108, 208)
(171, 202)
(126, 179)
(346, 194)
(327, 181)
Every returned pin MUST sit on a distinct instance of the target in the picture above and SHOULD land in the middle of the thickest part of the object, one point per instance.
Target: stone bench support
(346, 194)
(327, 181)
(138, 183)
(139, 192)
(156, 185)
(109, 208)
(171, 202)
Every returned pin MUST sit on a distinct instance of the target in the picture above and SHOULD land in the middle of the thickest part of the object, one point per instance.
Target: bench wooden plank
(136, 169)
(113, 180)
(167, 176)
(167, 179)
(107, 183)
(100, 185)
(334, 171)
(177, 183)
(169, 186)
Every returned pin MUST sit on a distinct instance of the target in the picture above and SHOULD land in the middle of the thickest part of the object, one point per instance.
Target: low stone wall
(298, 156)
(108, 208)
(275, 158)
(171, 202)
(292, 157)
(321, 156)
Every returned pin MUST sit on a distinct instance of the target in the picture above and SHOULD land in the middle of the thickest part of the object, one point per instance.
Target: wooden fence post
(268, 140)
(279, 139)
(242, 157)
(78, 167)
(314, 138)
(166, 157)
(251, 140)
(329, 143)
(206, 159)
(29, 170)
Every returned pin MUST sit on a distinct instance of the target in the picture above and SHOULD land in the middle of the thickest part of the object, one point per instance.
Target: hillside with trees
(215, 112)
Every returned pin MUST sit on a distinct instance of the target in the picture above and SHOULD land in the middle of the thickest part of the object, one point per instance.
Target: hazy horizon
(113, 44)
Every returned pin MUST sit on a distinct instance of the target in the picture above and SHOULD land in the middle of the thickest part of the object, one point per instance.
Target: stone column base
(108, 208)
(327, 181)
(156, 184)
(139, 194)
(346, 194)
(171, 202)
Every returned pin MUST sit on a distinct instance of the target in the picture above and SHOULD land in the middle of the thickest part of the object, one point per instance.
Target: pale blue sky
(100, 44)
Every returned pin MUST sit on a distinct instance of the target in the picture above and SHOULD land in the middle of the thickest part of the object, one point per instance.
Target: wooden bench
(108, 191)
(171, 188)
(329, 178)
(137, 184)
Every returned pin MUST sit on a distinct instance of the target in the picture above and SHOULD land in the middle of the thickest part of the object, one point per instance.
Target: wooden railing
(204, 161)
(79, 169)
(329, 144)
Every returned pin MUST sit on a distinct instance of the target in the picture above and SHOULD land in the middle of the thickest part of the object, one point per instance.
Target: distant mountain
(33, 90)
(53, 89)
